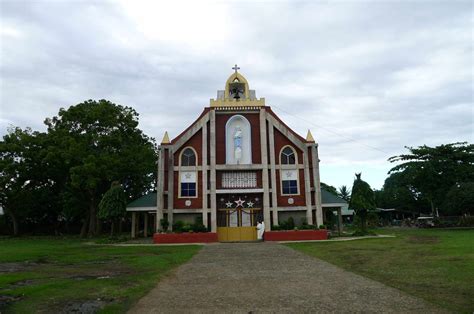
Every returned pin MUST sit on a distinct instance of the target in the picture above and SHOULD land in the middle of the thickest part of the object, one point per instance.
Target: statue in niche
(238, 144)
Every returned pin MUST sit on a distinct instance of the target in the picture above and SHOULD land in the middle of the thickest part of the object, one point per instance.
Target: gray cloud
(366, 77)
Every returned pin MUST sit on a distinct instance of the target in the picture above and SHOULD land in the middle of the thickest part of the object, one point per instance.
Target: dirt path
(268, 277)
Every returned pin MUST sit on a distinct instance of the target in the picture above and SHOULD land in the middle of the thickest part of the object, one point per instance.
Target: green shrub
(178, 226)
(290, 223)
(164, 224)
(309, 227)
(198, 225)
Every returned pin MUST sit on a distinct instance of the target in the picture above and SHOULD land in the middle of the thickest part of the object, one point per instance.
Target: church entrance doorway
(238, 224)
(238, 216)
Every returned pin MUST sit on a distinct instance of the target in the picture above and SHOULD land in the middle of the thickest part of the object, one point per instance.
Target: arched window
(288, 172)
(188, 157)
(288, 156)
(187, 176)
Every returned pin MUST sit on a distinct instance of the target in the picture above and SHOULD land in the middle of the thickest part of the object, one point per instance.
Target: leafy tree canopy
(362, 198)
(431, 171)
(329, 188)
(460, 199)
(99, 142)
(114, 203)
(26, 194)
(397, 192)
(61, 175)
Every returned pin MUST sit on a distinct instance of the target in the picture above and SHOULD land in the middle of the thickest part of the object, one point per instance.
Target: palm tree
(344, 193)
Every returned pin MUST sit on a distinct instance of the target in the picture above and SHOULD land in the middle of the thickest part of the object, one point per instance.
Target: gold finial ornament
(166, 139)
(309, 137)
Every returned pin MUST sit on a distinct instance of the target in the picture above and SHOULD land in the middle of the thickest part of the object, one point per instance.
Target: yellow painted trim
(230, 102)
(166, 139)
(241, 79)
(309, 137)
(236, 234)
(243, 102)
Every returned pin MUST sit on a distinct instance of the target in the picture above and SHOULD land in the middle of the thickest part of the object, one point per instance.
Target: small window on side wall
(288, 156)
(289, 187)
(289, 182)
(188, 157)
(188, 189)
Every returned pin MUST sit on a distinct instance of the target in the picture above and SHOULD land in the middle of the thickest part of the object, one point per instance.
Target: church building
(236, 165)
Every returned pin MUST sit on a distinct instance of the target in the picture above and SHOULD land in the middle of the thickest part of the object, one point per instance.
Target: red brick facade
(280, 141)
(253, 173)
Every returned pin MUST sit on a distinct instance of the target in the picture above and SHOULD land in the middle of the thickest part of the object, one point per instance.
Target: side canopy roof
(330, 198)
(145, 203)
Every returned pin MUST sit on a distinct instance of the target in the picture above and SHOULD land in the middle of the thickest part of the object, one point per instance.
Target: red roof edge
(206, 110)
(269, 110)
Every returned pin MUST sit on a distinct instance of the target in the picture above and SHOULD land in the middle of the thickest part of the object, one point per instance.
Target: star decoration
(250, 204)
(288, 174)
(187, 176)
(228, 204)
(240, 202)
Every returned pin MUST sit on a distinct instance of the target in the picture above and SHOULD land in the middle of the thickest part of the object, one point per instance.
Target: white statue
(260, 230)
(238, 144)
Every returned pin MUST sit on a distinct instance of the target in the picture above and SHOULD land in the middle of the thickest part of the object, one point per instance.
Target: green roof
(330, 198)
(148, 200)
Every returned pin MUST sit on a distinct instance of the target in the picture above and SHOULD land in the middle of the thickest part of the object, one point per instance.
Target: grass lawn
(51, 275)
(436, 265)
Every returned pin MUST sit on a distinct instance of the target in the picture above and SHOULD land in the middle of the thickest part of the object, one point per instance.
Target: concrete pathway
(270, 277)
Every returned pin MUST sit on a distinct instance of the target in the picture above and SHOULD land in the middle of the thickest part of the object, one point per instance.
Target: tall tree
(362, 200)
(397, 192)
(344, 193)
(27, 193)
(432, 171)
(99, 142)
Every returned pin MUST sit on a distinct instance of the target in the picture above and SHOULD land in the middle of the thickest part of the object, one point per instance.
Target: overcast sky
(367, 78)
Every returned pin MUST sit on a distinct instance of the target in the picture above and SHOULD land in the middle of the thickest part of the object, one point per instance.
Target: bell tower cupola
(237, 93)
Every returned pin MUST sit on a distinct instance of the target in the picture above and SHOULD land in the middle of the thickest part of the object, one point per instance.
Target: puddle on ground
(16, 267)
(6, 300)
(423, 239)
(22, 283)
(85, 307)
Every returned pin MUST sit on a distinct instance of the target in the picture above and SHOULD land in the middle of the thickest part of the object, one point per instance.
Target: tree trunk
(85, 224)
(112, 229)
(98, 230)
(363, 219)
(92, 218)
(433, 212)
(14, 222)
